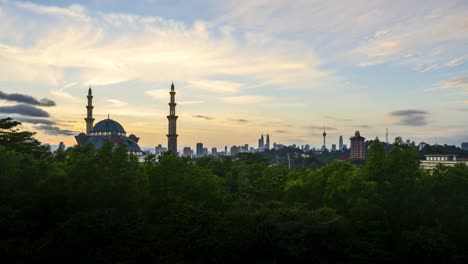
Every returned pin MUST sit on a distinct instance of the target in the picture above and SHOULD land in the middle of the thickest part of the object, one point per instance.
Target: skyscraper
(199, 149)
(358, 150)
(261, 143)
(340, 143)
(172, 118)
(267, 145)
(89, 117)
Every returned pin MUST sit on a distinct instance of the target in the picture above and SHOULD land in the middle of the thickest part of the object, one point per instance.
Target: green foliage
(85, 205)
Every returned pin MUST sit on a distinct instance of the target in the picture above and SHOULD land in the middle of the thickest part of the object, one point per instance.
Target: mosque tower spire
(89, 117)
(172, 118)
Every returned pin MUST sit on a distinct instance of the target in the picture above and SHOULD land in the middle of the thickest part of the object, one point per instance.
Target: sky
(240, 69)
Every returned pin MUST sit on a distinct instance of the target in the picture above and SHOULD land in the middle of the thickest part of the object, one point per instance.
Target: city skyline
(240, 69)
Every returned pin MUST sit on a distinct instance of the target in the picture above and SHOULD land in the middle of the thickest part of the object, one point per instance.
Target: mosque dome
(109, 126)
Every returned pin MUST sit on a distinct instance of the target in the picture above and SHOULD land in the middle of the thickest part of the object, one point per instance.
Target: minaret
(172, 134)
(89, 117)
(324, 136)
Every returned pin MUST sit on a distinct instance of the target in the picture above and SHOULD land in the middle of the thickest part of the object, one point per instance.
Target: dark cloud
(203, 117)
(53, 130)
(25, 110)
(411, 117)
(319, 127)
(27, 99)
(35, 121)
(408, 112)
(281, 131)
(240, 120)
(338, 119)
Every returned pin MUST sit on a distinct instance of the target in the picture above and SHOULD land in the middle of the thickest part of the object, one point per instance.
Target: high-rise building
(234, 150)
(225, 150)
(261, 143)
(464, 145)
(333, 147)
(340, 143)
(267, 145)
(199, 149)
(188, 152)
(205, 151)
(61, 146)
(214, 152)
(358, 150)
(160, 149)
(172, 118)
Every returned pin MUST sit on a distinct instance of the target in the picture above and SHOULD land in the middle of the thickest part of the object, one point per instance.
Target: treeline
(85, 205)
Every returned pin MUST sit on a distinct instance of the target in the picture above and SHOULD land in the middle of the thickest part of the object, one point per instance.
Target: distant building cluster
(111, 130)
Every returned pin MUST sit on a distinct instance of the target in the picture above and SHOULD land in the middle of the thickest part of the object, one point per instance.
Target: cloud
(35, 121)
(53, 130)
(240, 120)
(319, 127)
(247, 99)
(27, 99)
(216, 86)
(190, 102)
(279, 131)
(158, 94)
(64, 95)
(107, 48)
(203, 117)
(457, 83)
(338, 119)
(116, 103)
(411, 117)
(456, 61)
(25, 110)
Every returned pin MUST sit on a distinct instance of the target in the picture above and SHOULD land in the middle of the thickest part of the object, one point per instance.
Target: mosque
(111, 130)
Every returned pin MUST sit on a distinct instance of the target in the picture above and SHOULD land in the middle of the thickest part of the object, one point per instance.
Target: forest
(84, 205)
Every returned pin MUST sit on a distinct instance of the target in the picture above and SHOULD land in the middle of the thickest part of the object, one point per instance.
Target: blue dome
(108, 125)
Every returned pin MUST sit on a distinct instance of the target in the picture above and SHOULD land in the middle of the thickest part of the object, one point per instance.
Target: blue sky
(242, 68)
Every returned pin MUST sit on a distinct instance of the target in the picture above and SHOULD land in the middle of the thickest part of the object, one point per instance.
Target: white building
(449, 160)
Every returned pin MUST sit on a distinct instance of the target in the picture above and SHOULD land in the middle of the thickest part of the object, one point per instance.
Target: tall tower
(89, 117)
(386, 136)
(172, 118)
(340, 143)
(261, 143)
(324, 136)
(267, 145)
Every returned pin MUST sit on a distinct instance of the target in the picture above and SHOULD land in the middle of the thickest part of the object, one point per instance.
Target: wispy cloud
(457, 83)
(54, 130)
(35, 121)
(314, 127)
(203, 117)
(338, 119)
(116, 103)
(216, 86)
(247, 99)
